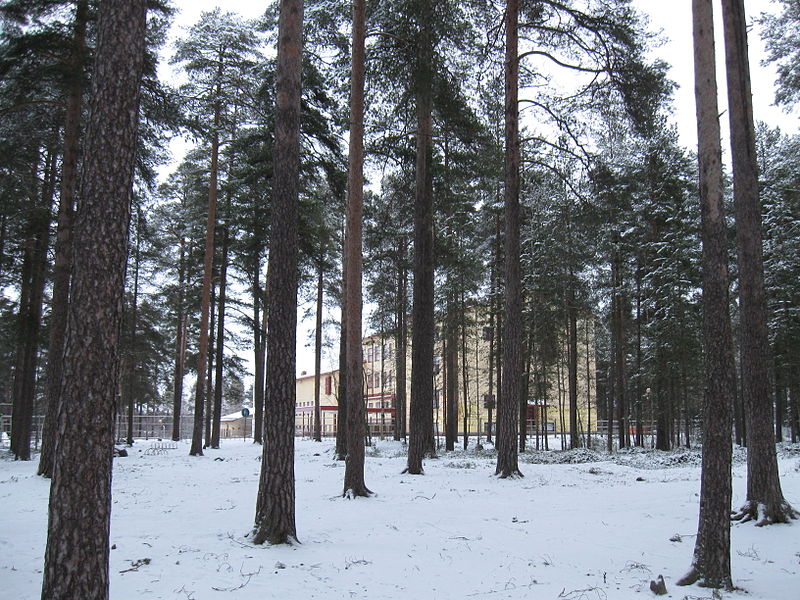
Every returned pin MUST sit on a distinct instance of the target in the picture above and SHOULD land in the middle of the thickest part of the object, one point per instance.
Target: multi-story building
(476, 374)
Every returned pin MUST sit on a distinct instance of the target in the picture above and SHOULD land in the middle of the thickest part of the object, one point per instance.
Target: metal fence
(36, 431)
(147, 427)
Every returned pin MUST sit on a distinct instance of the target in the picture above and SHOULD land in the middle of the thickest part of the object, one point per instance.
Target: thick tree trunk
(275, 510)
(354, 484)
(63, 248)
(507, 449)
(765, 501)
(711, 563)
(220, 341)
(422, 320)
(76, 557)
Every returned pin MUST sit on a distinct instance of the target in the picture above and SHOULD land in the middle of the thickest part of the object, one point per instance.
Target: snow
(578, 526)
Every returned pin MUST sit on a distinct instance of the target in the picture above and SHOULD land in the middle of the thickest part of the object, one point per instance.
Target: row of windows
(372, 380)
(377, 352)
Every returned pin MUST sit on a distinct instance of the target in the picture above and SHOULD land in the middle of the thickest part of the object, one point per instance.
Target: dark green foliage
(781, 33)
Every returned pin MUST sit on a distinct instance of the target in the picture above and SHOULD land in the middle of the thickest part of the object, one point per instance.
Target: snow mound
(562, 457)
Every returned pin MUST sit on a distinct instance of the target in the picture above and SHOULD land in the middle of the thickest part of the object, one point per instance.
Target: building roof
(236, 415)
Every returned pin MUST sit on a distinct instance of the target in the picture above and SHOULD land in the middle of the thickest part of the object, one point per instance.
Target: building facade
(476, 360)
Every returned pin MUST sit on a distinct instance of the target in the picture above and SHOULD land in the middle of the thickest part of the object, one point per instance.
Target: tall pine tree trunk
(29, 324)
(464, 370)
(260, 345)
(356, 415)
(220, 343)
(618, 334)
(765, 501)
(422, 320)
(76, 557)
(275, 506)
(572, 368)
(209, 374)
(711, 562)
(318, 356)
(205, 295)
(507, 450)
(63, 247)
(401, 336)
(341, 413)
(130, 362)
(29, 319)
(180, 346)
(451, 370)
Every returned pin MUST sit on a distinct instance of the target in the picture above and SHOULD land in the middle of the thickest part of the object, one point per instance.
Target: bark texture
(356, 416)
(507, 449)
(765, 502)
(275, 507)
(76, 557)
(63, 247)
(422, 318)
(711, 564)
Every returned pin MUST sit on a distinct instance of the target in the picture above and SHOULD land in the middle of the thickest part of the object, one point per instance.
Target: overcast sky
(671, 17)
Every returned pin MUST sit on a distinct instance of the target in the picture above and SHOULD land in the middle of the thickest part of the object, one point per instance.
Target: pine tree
(63, 246)
(76, 558)
(275, 506)
(765, 502)
(711, 562)
(781, 34)
(356, 415)
(216, 54)
(513, 361)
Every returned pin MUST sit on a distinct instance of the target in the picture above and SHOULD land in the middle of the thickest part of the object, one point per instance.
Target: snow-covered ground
(578, 526)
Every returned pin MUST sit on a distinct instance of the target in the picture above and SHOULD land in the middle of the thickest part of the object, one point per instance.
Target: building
(238, 424)
(547, 407)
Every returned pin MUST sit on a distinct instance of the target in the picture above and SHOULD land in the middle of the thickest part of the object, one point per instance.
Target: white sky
(672, 17)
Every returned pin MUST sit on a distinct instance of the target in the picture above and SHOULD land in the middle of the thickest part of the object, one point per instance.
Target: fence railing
(144, 427)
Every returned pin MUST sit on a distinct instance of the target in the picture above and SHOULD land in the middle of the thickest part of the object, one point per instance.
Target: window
(328, 385)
